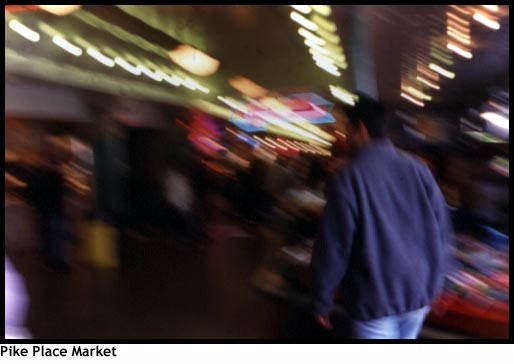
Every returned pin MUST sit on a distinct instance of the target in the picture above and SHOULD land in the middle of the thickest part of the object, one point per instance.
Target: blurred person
(46, 189)
(16, 303)
(384, 236)
(180, 196)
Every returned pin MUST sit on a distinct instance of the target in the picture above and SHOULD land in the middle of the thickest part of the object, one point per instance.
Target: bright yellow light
(458, 32)
(425, 71)
(457, 18)
(264, 142)
(194, 60)
(428, 83)
(459, 38)
(289, 144)
(331, 37)
(461, 52)
(211, 108)
(411, 99)
(314, 129)
(441, 71)
(24, 31)
(233, 104)
(60, 9)
(322, 9)
(324, 23)
(343, 95)
(460, 10)
(491, 7)
(338, 60)
(276, 144)
(308, 35)
(305, 9)
(100, 57)
(304, 22)
(416, 93)
(247, 87)
(486, 21)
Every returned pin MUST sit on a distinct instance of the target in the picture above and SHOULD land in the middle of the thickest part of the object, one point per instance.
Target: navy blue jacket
(385, 236)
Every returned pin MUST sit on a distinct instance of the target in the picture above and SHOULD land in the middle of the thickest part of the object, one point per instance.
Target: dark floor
(165, 291)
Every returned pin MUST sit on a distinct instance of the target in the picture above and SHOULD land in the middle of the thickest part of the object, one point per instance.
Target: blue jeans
(404, 326)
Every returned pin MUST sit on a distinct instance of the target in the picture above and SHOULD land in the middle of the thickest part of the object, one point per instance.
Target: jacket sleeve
(443, 217)
(332, 248)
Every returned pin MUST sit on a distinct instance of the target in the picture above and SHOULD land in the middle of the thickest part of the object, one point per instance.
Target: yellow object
(100, 244)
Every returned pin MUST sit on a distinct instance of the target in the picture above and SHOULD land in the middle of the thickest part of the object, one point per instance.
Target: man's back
(385, 230)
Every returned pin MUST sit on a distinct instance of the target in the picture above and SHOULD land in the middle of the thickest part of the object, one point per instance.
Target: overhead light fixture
(170, 79)
(247, 87)
(491, 7)
(190, 84)
(411, 99)
(233, 104)
(461, 52)
(460, 38)
(457, 18)
(149, 73)
(127, 66)
(313, 46)
(100, 57)
(24, 31)
(343, 95)
(322, 9)
(427, 72)
(67, 46)
(428, 83)
(194, 60)
(460, 10)
(308, 35)
(304, 22)
(496, 119)
(486, 21)
(337, 58)
(305, 9)
(416, 93)
(438, 56)
(441, 71)
(461, 33)
(330, 68)
(331, 37)
(203, 89)
(324, 23)
(60, 10)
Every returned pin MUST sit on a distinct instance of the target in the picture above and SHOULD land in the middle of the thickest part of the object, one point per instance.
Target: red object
(453, 312)
(15, 8)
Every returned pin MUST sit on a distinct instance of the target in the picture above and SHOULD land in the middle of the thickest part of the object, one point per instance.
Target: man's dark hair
(371, 112)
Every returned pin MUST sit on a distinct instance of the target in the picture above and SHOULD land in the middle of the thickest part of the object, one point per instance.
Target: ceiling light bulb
(60, 10)
(304, 22)
(486, 21)
(305, 9)
(24, 31)
(194, 60)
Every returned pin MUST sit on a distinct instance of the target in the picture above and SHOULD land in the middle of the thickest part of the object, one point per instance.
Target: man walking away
(384, 237)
